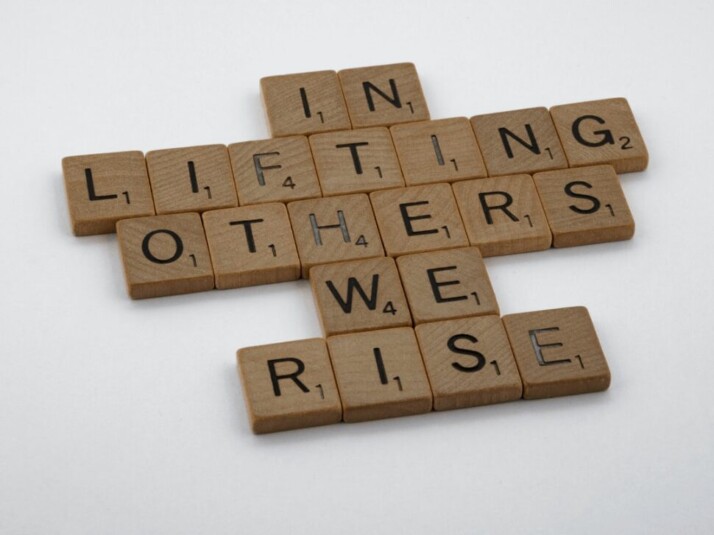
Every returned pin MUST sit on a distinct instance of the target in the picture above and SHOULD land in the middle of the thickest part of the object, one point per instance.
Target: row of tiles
(104, 188)
(442, 365)
(267, 243)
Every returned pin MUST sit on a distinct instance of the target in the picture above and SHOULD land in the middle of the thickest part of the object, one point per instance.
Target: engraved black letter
(504, 207)
(355, 155)
(149, 255)
(606, 134)
(435, 285)
(480, 359)
(570, 193)
(532, 146)
(247, 226)
(274, 377)
(408, 219)
(393, 100)
(352, 285)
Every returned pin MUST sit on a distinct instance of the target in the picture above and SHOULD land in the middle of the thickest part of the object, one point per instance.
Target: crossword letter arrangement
(389, 214)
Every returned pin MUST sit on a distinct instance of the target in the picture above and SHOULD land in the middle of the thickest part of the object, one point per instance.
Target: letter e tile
(557, 352)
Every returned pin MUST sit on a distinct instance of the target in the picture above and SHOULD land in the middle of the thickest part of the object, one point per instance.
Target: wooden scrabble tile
(469, 362)
(359, 295)
(251, 245)
(383, 95)
(104, 188)
(601, 132)
(558, 352)
(304, 103)
(164, 255)
(380, 374)
(503, 215)
(520, 141)
(356, 161)
(438, 151)
(274, 170)
(334, 229)
(289, 386)
(418, 218)
(447, 284)
(585, 205)
(191, 179)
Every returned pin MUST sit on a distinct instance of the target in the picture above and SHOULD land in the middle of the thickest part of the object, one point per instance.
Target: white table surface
(123, 417)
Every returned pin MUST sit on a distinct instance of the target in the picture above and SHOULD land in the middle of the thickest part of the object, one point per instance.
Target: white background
(122, 417)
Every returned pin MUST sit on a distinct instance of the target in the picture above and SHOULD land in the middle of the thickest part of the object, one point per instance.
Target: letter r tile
(289, 385)
(557, 352)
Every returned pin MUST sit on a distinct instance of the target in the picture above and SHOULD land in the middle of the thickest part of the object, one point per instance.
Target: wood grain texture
(418, 218)
(104, 188)
(438, 151)
(503, 215)
(274, 170)
(334, 229)
(191, 179)
(304, 103)
(359, 295)
(383, 95)
(380, 374)
(557, 352)
(356, 161)
(251, 245)
(164, 255)
(601, 132)
(289, 385)
(585, 205)
(519, 141)
(447, 284)
(469, 362)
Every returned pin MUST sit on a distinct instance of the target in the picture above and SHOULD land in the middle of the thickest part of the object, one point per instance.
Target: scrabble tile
(164, 255)
(447, 284)
(334, 229)
(601, 132)
(359, 295)
(438, 151)
(557, 352)
(520, 141)
(251, 245)
(585, 205)
(274, 170)
(418, 218)
(191, 179)
(104, 188)
(304, 103)
(469, 362)
(383, 95)
(380, 374)
(356, 161)
(289, 386)
(503, 215)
